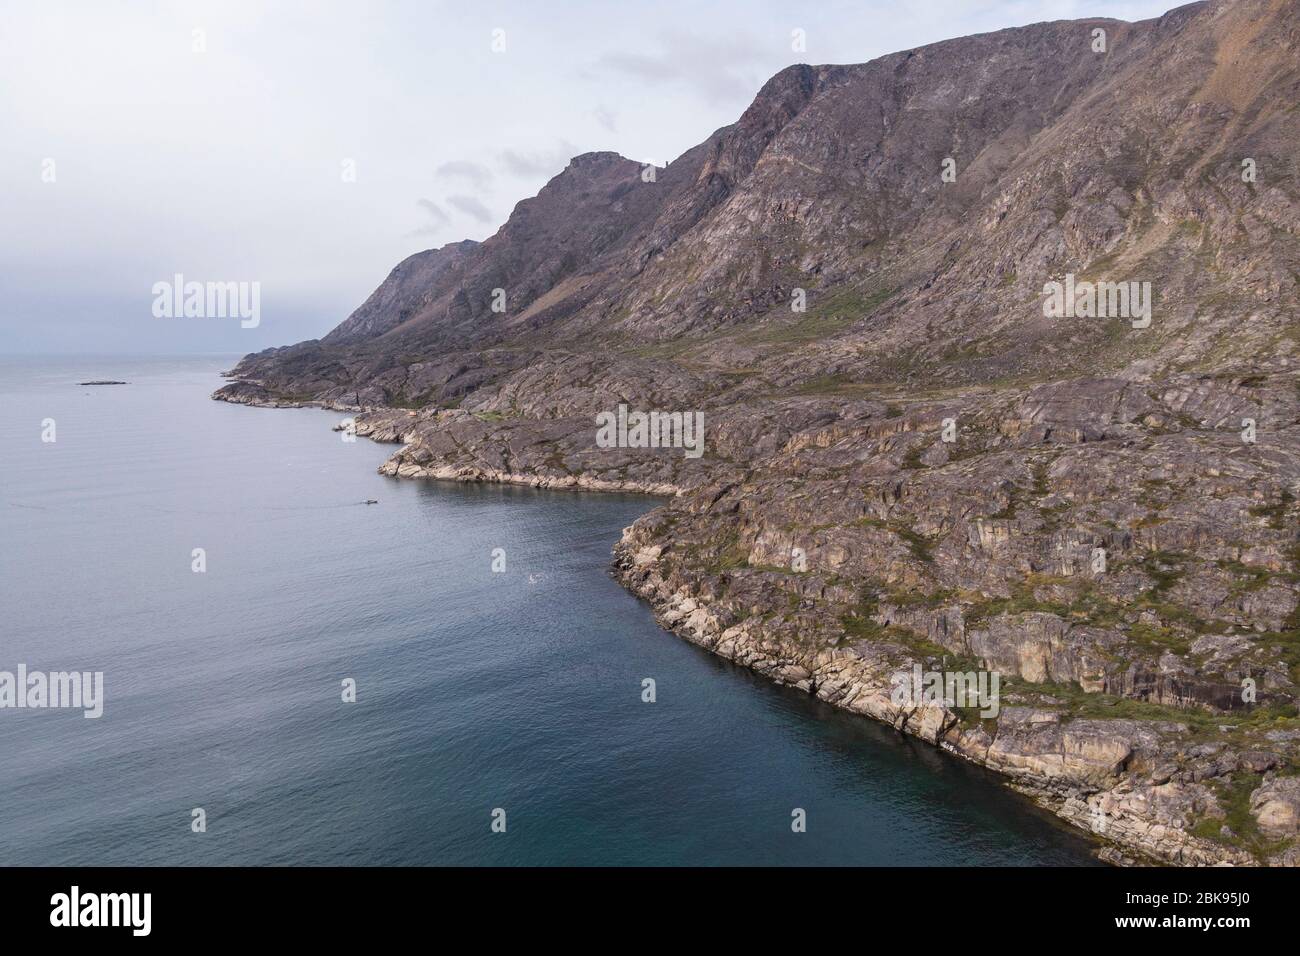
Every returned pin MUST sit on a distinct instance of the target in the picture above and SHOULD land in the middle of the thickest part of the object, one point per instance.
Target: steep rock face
(1113, 166)
(925, 466)
(842, 188)
(410, 288)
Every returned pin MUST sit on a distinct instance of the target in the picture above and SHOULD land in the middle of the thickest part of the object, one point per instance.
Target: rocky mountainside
(912, 452)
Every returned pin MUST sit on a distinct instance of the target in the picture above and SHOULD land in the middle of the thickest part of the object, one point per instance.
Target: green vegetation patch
(825, 318)
(1233, 795)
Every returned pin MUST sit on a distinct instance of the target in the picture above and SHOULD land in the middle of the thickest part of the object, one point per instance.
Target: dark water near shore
(519, 690)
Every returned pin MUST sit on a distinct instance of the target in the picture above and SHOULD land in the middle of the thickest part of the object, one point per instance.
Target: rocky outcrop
(1139, 785)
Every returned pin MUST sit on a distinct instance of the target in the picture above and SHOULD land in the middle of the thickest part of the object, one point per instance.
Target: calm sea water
(519, 690)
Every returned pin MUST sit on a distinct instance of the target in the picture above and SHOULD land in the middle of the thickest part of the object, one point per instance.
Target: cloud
(471, 207)
(476, 173)
(605, 117)
(720, 70)
(543, 163)
(437, 218)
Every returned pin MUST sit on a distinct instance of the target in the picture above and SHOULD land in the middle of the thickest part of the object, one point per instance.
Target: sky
(308, 147)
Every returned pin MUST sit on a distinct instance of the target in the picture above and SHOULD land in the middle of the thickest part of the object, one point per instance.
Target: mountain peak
(598, 158)
(832, 181)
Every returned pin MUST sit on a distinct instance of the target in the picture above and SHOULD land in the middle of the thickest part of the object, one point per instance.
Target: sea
(447, 676)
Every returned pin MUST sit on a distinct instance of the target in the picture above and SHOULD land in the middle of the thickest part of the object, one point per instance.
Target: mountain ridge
(945, 458)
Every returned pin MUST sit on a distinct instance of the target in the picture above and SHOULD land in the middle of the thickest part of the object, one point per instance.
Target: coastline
(1066, 766)
(1041, 758)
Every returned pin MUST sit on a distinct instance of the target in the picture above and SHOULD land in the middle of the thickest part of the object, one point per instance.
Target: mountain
(929, 462)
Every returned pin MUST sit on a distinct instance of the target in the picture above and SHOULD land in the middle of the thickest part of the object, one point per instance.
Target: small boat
(372, 501)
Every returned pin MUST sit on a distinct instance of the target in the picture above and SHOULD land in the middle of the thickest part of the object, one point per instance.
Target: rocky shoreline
(396, 468)
(1063, 767)
(1132, 784)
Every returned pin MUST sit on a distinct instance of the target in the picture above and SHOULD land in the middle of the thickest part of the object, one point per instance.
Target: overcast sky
(126, 155)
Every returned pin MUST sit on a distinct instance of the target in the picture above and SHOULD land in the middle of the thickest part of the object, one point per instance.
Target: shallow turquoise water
(519, 690)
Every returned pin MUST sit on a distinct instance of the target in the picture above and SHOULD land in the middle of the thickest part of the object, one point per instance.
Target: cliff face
(925, 464)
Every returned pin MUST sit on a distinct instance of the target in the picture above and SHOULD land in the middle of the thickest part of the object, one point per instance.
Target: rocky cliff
(910, 455)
